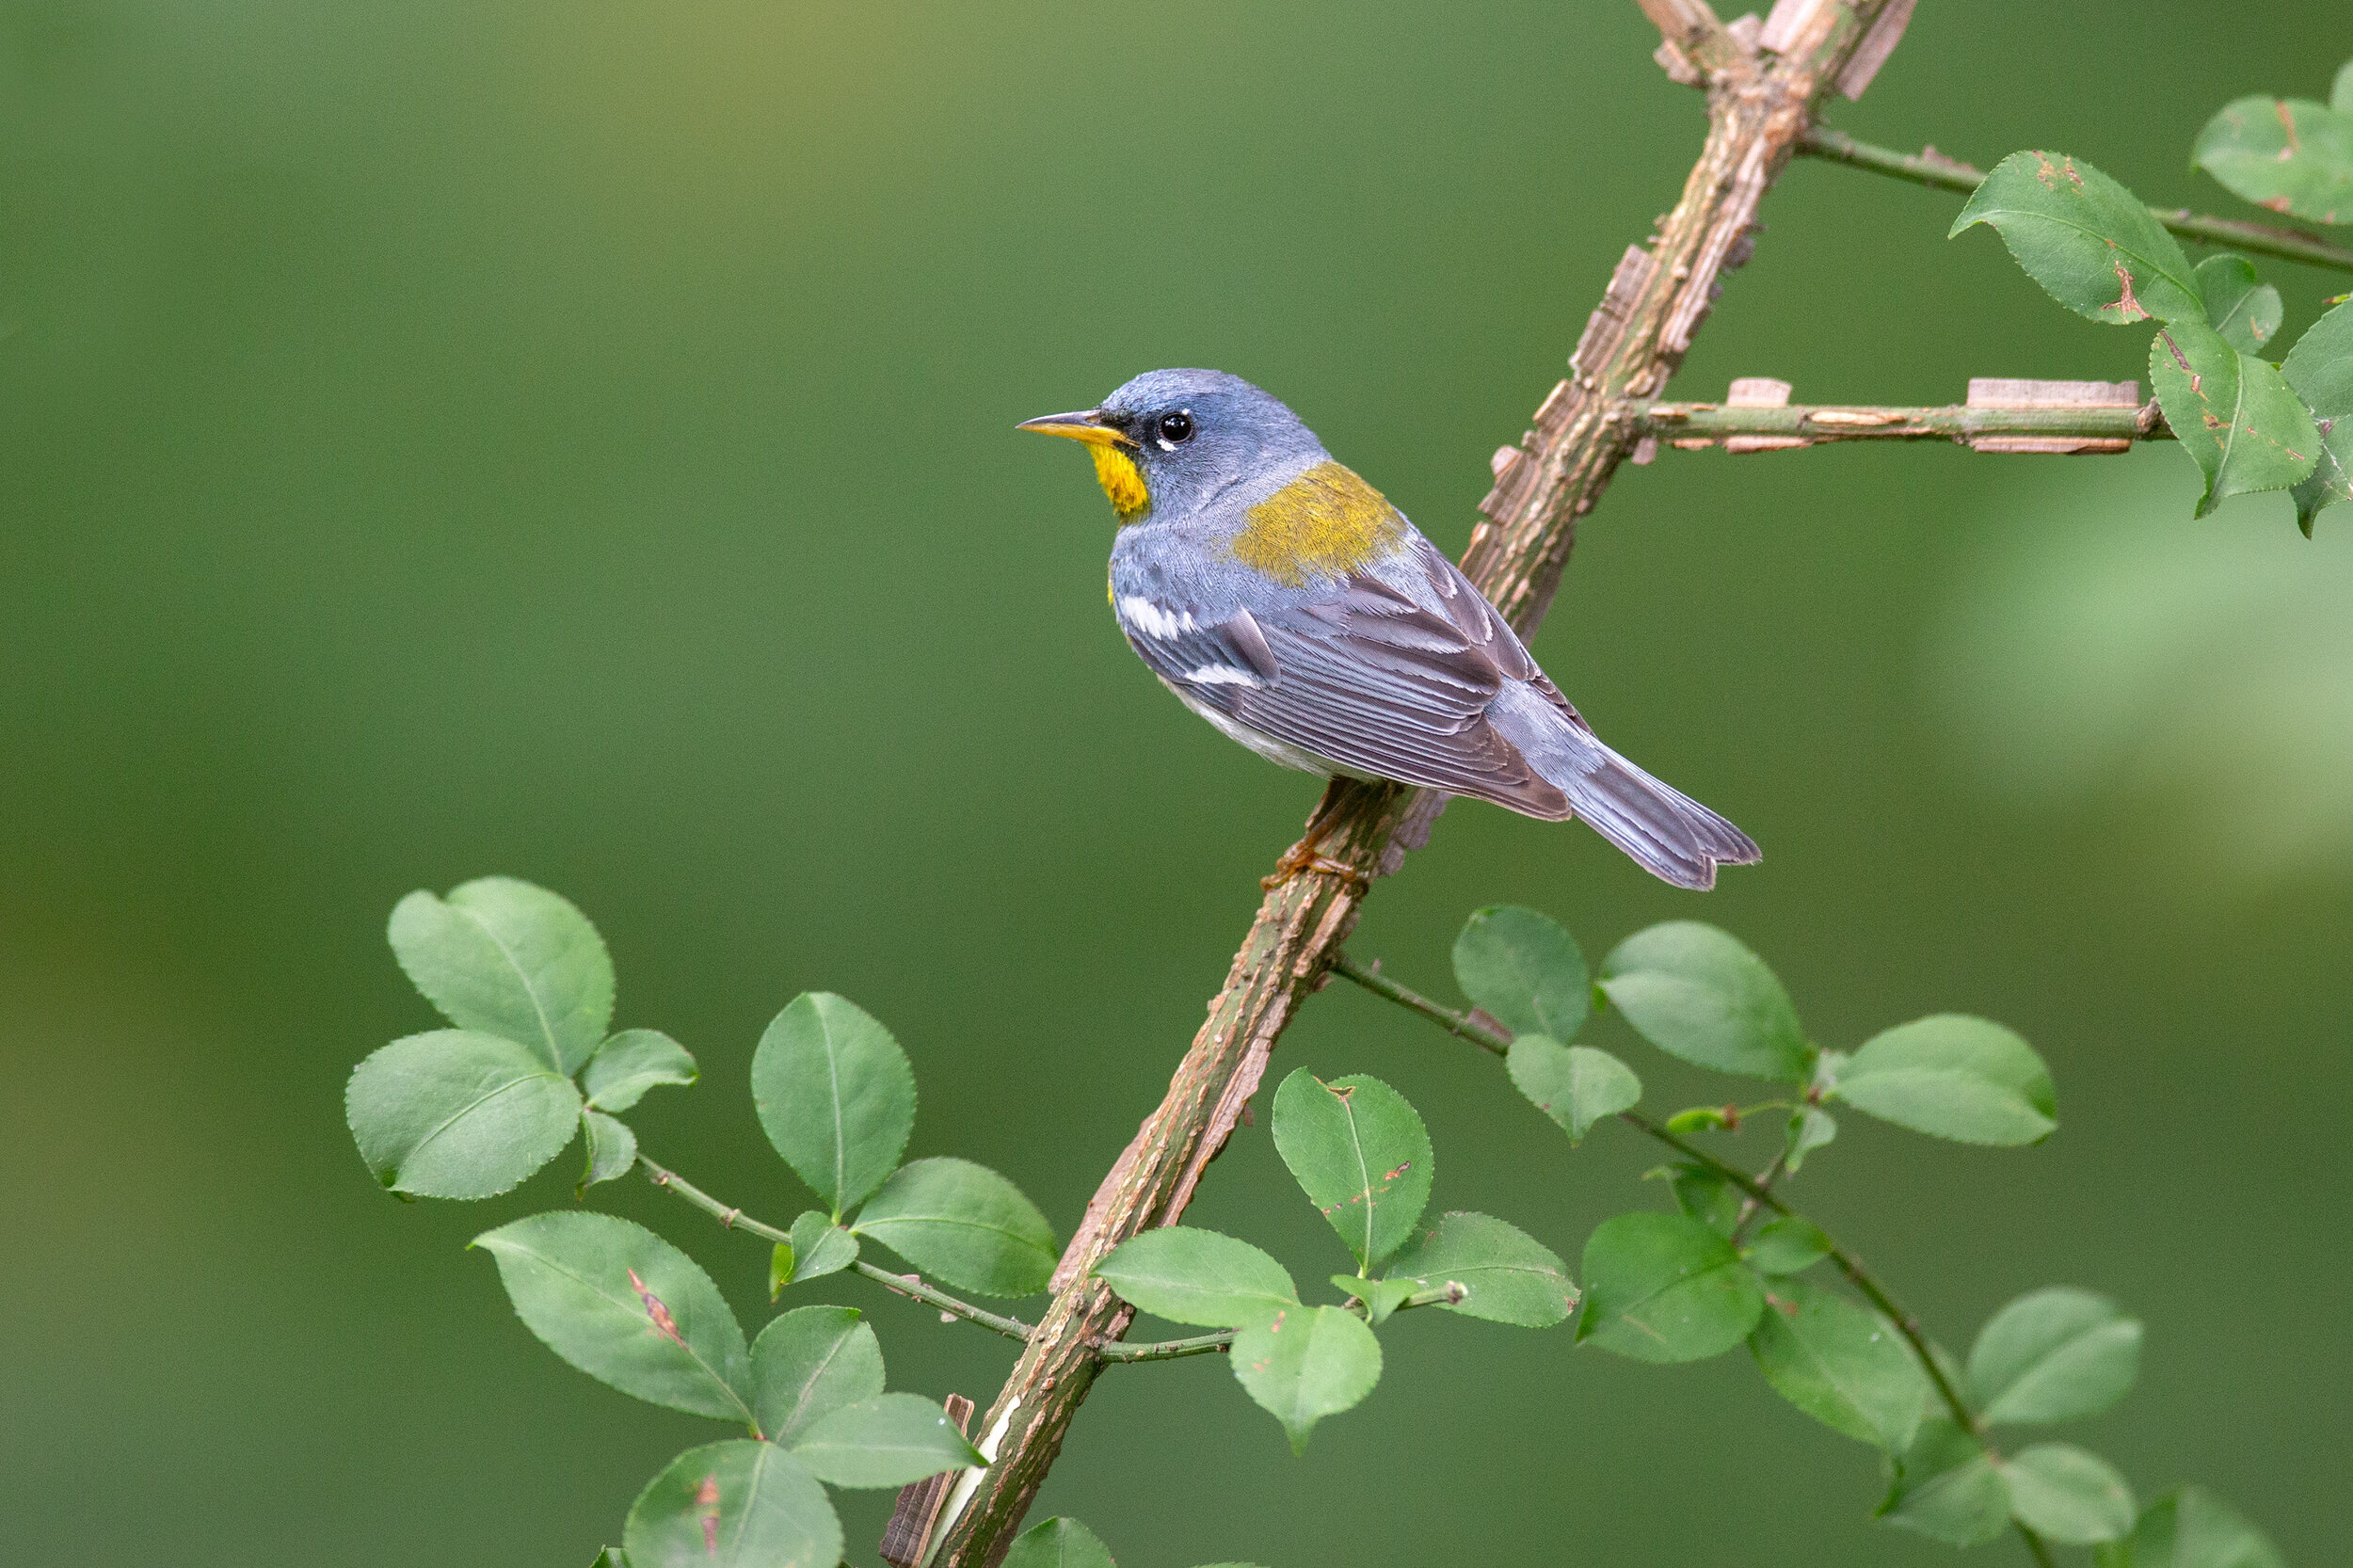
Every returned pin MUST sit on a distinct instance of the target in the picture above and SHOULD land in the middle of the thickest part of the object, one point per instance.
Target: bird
(1284, 599)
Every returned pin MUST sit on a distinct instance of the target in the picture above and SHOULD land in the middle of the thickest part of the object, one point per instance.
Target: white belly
(1281, 752)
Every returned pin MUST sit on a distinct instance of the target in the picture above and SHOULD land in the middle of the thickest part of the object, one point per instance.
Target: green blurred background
(575, 440)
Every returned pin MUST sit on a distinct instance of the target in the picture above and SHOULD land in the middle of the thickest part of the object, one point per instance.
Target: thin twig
(1214, 1344)
(910, 1285)
(1933, 170)
(1456, 1023)
(914, 1288)
(1752, 1207)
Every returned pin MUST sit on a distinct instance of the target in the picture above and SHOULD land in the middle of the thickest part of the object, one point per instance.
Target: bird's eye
(1175, 428)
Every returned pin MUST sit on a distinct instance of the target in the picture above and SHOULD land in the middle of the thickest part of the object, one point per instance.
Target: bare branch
(1694, 427)
(1693, 43)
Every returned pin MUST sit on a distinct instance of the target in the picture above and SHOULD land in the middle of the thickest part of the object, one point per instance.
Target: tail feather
(1662, 829)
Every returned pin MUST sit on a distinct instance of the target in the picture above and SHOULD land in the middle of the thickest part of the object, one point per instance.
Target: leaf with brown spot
(663, 1322)
(2092, 244)
(1360, 1153)
(2233, 413)
(2240, 306)
(2292, 155)
(738, 1504)
(625, 1307)
(2319, 370)
(1306, 1363)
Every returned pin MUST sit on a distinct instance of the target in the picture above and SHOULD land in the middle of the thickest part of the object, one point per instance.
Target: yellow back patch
(1324, 523)
(1121, 480)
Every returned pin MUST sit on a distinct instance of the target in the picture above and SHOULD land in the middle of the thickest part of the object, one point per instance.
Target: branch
(1759, 105)
(1695, 425)
(1759, 1193)
(1693, 44)
(910, 1285)
(1932, 169)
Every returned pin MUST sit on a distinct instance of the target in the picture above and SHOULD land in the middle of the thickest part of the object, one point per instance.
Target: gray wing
(1389, 682)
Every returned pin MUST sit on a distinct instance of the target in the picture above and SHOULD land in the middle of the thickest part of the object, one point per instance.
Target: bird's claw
(1303, 857)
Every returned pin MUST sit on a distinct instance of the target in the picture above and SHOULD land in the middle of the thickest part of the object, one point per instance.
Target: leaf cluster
(1696, 1282)
(1362, 1156)
(469, 1112)
(2250, 424)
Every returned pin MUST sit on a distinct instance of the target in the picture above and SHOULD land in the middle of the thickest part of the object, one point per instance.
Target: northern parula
(1284, 601)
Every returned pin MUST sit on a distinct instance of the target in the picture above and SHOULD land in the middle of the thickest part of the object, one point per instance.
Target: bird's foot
(1305, 857)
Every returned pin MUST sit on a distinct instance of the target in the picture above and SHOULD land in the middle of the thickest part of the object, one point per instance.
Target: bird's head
(1171, 439)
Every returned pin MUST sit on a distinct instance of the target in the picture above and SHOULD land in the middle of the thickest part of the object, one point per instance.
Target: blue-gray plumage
(1287, 602)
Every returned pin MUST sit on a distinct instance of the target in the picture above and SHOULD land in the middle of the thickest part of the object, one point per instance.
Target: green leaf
(1665, 1287)
(2341, 93)
(1695, 992)
(457, 1114)
(631, 1062)
(1786, 1244)
(1360, 1153)
(2290, 154)
(738, 1504)
(2232, 412)
(890, 1440)
(1953, 1077)
(1843, 1366)
(1197, 1276)
(628, 1308)
(1705, 1196)
(2244, 309)
(1575, 1085)
(509, 959)
(965, 1224)
(2319, 370)
(1057, 1544)
(2191, 1528)
(808, 1363)
(612, 1149)
(835, 1096)
(1382, 1297)
(819, 1247)
(1946, 1488)
(1810, 1128)
(2072, 1498)
(612, 1556)
(1524, 970)
(2052, 1355)
(1305, 1363)
(2092, 244)
(1508, 1276)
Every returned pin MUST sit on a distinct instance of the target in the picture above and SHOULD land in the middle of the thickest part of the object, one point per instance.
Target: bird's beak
(1085, 425)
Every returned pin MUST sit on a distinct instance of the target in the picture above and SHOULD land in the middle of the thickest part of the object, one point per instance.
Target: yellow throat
(1121, 480)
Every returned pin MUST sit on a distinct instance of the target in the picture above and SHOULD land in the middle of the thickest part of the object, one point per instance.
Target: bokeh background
(574, 440)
